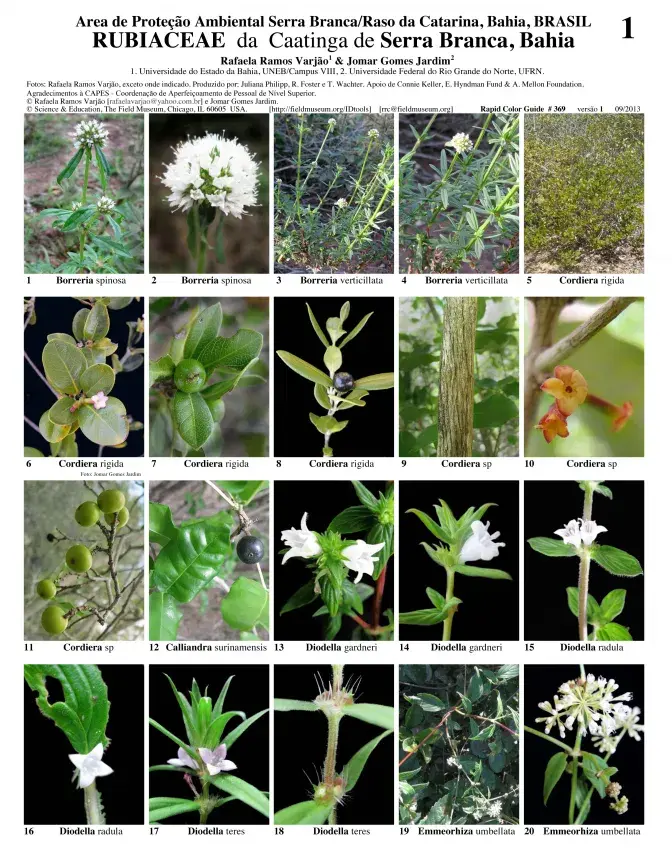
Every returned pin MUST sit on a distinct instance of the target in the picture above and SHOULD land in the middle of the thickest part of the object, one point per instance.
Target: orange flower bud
(621, 416)
(568, 387)
(553, 424)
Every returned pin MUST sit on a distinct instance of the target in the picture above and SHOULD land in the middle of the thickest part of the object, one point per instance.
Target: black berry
(250, 549)
(343, 381)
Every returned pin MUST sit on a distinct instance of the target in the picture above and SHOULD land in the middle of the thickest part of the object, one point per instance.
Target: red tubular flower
(621, 417)
(553, 424)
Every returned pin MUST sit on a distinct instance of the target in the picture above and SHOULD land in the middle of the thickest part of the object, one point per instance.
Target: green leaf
(53, 433)
(245, 605)
(83, 713)
(64, 338)
(192, 418)
(364, 495)
(97, 322)
(353, 769)
(429, 616)
(189, 750)
(437, 600)
(164, 808)
(204, 329)
(232, 352)
(428, 702)
(70, 169)
(76, 218)
(29, 452)
(78, 323)
(321, 396)
(161, 527)
(303, 368)
(554, 770)
(432, 526)
(233, 735)
(376, 382)
(107, 426)
(162, 368)
(190, 561)
(376, 714)
(326, 423)
(354, 519)
(355, 331)
(283, 704)
(303, 596)
(551, 547)
(216, 727)
(482, 572)
(98, 377)
(59, 413)
(612, 605)
(164, 617)
(303, 813)
(316, 327)
(613, 632)
(592, 608)
(63, 365)
(605, 491)
(103, 167)
(241, 790)
(494, 411)
(615, 561)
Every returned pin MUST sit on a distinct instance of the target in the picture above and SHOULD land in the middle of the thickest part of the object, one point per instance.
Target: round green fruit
(190, 375)
(111, 500)
(87, 514)
(122, 517)
(53, 621)
(217, 409)
(46, 589)
(79, 558)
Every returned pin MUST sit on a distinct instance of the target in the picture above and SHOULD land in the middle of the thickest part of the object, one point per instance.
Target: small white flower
(89, 133)
(580, 532)
(627, 718)
(331, 123)
(373, 133)
(215, 760)
(90, 766)
(589, 531)
(480, 545)
(342, 203)
(461, 142)
(105, 204)
(494, 808)
(75, 206)
(302, 543)
(183, 760)
(99, 400)
(196, 194)
(359, 557)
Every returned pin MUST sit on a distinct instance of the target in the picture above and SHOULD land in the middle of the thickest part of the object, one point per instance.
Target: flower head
(461, 142)
(342, 203)
(553, 424)
(580, 532)
(105, 205)
(331, 123)
(89, 133)
(215, 760)
(494, 808)
(302, 543)
(214, 169)
(359, 557)
(620, 806)
(99, 400)
(373, 133)
(480, 545)
(90, 766)
(568, 387)
(183, 760)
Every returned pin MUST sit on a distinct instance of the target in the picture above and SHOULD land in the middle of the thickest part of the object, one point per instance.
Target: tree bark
(456, 385)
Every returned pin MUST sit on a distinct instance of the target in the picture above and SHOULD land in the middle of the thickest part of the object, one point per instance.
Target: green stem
(584, 568)
(361, 172)
(316, 160)
(87, 163)
(575, 772)
(548, 738)
(450, 587)
(371, 220)
(202, 251)
(203, 811)
(93, 805)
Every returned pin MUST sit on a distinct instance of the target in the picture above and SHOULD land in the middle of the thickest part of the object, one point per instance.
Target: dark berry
(51, 537)
(343, 381)
(250, 549)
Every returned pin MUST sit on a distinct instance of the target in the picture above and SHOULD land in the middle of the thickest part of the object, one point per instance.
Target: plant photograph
(459, 180)
(343, 773)
(335, 562)
(208, 377)
(208, 566)
(334, 193)
(584, 193)
(583, 388)
(600, 597)
(458, 745)
(200, 774)
(458, 377)
(462, 539)
(83, 377)
(89, 721)
(84, 561)
(208, 193)
(84, 193)
(320, 380)
(576, 718)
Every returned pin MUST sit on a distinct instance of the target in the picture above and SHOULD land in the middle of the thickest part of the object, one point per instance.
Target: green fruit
(87, 514)
(111, 500)
(79, 558)
(190, 375)
(122, 517)
(46, 589)
(53, 621)
(217, 409)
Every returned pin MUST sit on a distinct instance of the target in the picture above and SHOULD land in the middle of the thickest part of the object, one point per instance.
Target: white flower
(579, 532)
(75, 206)
(302, 543)
(627, 718)
(373, 133)
(105, 204)
(496, 310)
(480, 545)
(461, 142)
(183, 760)
(215, 760)
(342, 203)
(331, 123)
(359, 557)
(554, 716)
(89, 133)
(221, 169)
(99, 400)
(90, 766)
(620, 806)
(494, 808)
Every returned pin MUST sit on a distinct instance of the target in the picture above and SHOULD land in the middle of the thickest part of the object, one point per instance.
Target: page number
(628, 28)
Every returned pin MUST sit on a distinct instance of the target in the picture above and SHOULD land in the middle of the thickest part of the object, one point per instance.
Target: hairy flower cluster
(591, 703)
(105, 205)
(89, 133)
(214, 170)
(342, 203)
(461, 142)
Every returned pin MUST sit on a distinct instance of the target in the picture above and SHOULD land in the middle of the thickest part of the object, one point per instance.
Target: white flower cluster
(580, 532)
(342, 203)
(89, 133)
(105, 205)
(480, 545)
(591, 703)
(461, 142)
(213, 169)
(373, 133)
